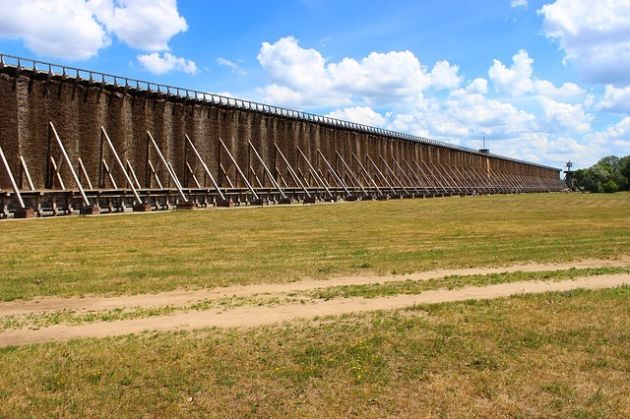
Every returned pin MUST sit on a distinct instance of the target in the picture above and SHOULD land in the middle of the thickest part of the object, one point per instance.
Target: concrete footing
(142, 208)
(227, 203)
(93, 210)
(27, 212)
(257, 202)
(185, 206)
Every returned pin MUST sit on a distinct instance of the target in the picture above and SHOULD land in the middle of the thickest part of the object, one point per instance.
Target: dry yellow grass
(564, 354)
(157, 252)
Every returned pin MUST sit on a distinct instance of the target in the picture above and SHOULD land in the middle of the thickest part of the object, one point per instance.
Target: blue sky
(545, 80)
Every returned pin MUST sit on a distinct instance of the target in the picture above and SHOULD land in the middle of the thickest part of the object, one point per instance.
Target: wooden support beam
(133, 174)
(7, 168)
(395, 178)
(205, 166)
(109, 173)
(24, 169)
(238, 169)
(367, 176)
(112, 149)
(225, 174)
(84, 173)
(192, 173)
(314, 172)
(264, 165)
(389, 185)
(155, 175)
(349, 170)
(420, 182)
(333, 173)
(56, 169)
(51, 126)
(296, 179)
(406, 176)
(167, 166)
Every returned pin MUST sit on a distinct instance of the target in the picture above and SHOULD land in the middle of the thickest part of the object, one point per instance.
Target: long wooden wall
(78, 109)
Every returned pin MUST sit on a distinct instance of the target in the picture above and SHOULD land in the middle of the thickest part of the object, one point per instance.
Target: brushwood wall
(78, 108)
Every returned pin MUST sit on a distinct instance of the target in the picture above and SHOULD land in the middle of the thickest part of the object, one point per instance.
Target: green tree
(610, 174)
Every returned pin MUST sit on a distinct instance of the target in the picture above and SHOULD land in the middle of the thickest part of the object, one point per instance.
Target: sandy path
(265, 315)
(184, 297)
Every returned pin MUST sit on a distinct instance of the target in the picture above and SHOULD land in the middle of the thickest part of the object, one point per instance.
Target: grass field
(158, 252)
(563, 354)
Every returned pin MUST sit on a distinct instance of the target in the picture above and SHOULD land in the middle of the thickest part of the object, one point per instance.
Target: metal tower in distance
(569, 179)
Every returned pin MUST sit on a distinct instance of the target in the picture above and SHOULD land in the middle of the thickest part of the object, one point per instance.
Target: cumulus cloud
(515, 80)
(495, 118)
(532, 119)
(161, 63)
(566, 91)
(141, 24)
(595, 36)
(361, 115)
(548, 149)
(445, 76)
(302, 77)
(63, 28)
(478, 85)
(565, 117)
(617, 135)
(615, 100)
(79, 29)
(467, 113)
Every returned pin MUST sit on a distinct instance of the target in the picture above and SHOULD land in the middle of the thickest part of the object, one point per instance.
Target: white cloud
(537, 121)
(595, 36)
(301, 77)
(63, 28)
(444, 75)
(141, 24)
(566, 91)
(615, 100)
(616, 136)
(234, 67)
(361, 115)
(79, 29)
(565, 117)
(491, 116)
(380, 77)
(518, 3)
(515, 80)
(479, 85)
(297, 68)
(465, 114)
(543, 148)
(163, 63)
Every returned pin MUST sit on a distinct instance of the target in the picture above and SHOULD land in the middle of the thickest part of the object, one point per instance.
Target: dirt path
(184, 297)
(265, 315)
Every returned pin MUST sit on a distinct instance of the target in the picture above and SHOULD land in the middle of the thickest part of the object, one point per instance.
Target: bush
(610, 186)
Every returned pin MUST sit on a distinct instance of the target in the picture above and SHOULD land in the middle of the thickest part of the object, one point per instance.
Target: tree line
(610, 174)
